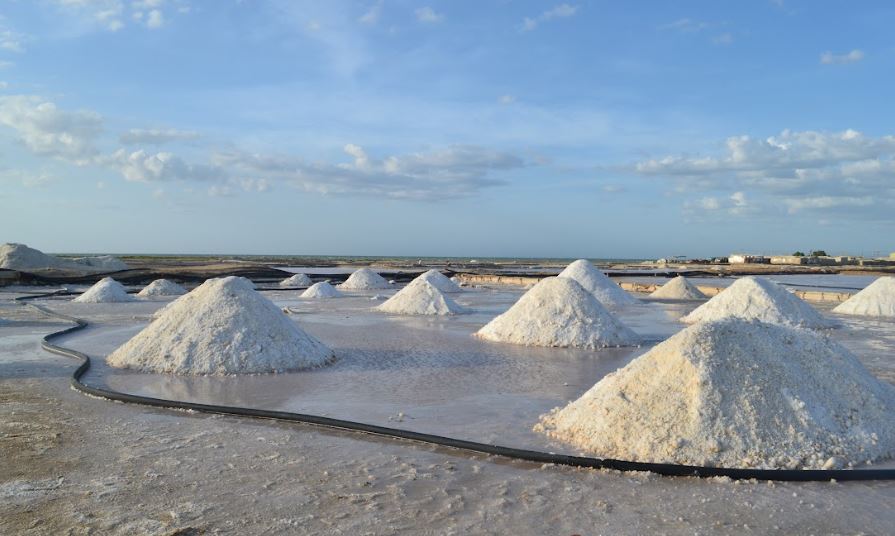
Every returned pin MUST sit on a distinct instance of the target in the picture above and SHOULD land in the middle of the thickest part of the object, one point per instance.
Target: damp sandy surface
(122, 469)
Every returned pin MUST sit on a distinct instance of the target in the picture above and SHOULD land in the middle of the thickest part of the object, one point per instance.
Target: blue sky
(504, 128)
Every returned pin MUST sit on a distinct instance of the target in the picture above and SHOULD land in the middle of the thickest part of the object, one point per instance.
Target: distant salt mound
(101, 263)
(321, 290)
(21, 257)
(559, 312)
(106, 290)
(678, 288)
(223, 326)
(598, 284)
(364, 279)
(877, 299)
(756, 298)
(420, 297)
(735, 393)
(162, 287)
(440, 281)
(297, 280)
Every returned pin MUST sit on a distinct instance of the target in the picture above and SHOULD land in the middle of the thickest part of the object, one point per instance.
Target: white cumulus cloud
(828, 58)
(428, 15)
(47, 130)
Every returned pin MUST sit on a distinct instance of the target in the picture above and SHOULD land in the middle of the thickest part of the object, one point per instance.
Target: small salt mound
(559, 312)
(598, 284)
(321, 290)
(877, 299)
(678, 288)
(364, 279)
(297, 280)
(420, 297)
(756, 298)
(735, 393)
(162, 287)
(106, 290)
(223, 326)
(440, 281)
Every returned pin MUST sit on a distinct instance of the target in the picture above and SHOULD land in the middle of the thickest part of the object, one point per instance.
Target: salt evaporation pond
(429, 374)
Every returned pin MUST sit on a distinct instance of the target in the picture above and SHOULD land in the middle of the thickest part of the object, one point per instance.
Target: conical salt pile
(364, 279)
(559, 312)
(678, 288)
(222, 327)
(297, 280)
(420, 297)
(162, 287)
(598, 284)
(735, 393)
(756, 298)
(106, 290)
(440, 281)
(877, 299)
(321, 290)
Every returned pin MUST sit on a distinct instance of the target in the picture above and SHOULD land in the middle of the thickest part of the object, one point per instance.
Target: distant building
(741, 258)
(789, 259)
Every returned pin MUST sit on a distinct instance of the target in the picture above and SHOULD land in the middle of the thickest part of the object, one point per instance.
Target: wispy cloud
(558, 12)
(428, 15)
(828, 58)
(155, 136)
(371, 16)
(685, 25)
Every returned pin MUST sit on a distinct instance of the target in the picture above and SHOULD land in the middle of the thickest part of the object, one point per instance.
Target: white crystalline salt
(735, 393)
(162, 287)
(21, 257)
(441, 281)
(223, 326)
(598, 284)
(678, 288)
(877, 299)
(297, 280)
(420, 297)
(756, 298)
(106, 290)
(321, 290)
(364, 279)
(559, 312)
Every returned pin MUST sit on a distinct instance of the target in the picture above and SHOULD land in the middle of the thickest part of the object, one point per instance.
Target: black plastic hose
(472, 446)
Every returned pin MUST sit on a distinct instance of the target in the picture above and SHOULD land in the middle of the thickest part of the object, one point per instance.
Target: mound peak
(597, 283)
(678, 288)
(420, 297)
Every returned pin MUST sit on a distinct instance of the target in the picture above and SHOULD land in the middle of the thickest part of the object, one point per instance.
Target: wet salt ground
(427, 374)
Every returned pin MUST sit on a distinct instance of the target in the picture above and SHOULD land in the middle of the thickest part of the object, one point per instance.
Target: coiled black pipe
(485, 448)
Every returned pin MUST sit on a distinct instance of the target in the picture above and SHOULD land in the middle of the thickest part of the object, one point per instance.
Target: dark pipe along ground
(666, 469)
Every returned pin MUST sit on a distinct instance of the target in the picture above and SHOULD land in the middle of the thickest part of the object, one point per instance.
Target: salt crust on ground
(756, 298)
(162, 287)
(222, 327)
(21, 257)
(106, 290)
(735, 393)
(559, 312)
(420, 297)
(877, 299)
(321, 290)
(297, 280)
(678, 288)
(598, 284)
(364, 279)
(440, 281)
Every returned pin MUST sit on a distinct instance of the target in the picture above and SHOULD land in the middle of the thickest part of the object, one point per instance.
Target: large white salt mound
(162, 287)
(21, 257)
(678, 288)
(297, 280)
(735, 393)
(440, 281)
(420, 297)
(559, 312)
(321, 290)
(598, 284)
(364, 279)
(223, 326)
(102, 263)
(106, 290)
(877, 299)
(756, 298)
